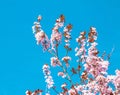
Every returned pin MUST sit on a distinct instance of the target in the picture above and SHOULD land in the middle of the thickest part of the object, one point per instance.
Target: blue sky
(21, 59)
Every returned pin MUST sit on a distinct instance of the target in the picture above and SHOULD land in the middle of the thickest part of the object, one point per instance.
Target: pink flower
(66, 58)
(28, 92)
(79, 52)
(61, 74)
(42, 39)
(72, 92)
(117, 72)
(79, 88)
(63, 85)
(103, 65)
(55, 61)
(117, 80)
(48, 77)
(76, 49)
(39, 18)
(94, 44)
(93, 29)
(40, 36)
(94, 79)
(59, 23)
(56, 36)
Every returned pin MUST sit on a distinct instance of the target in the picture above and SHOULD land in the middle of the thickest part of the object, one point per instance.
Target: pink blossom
(79, 52)
(40, 35)
(61, 74)
(79, 88)
(39, 17)
(94, 44)
(56, 36)
(117, 80)
(117, 72)
(55, 61)
(72, 92)
(93, 29)
(42, 39)
(93, 78)
(66, 58)
(28, 92)
(110, 78)
(76, 49)
(48, 77)
(59, 23)
(64, 85)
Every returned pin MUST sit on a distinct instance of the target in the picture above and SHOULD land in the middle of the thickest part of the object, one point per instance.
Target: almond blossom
(90, 71)
(61, 74)
(117, 81)
(66, 59)
(72, 92)
(81, 51)
(54, 61)
(48, 77)
(67, 34)
(56, 35)
(40, 35)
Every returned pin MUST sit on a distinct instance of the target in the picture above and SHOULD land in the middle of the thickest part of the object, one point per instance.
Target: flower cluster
(92, 36)
(56, 34)
(93, 78)
(81, 50)
(36, 92)
(66, 59)
(40, 35)
(67, 34)
(117, 81)
(48, 77)
(55, 61)
(61, 74)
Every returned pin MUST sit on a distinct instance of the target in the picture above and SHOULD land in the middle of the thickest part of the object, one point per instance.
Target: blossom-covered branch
(91, 70)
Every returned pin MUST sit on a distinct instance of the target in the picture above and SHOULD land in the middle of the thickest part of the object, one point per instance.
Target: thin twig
(55, 91)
